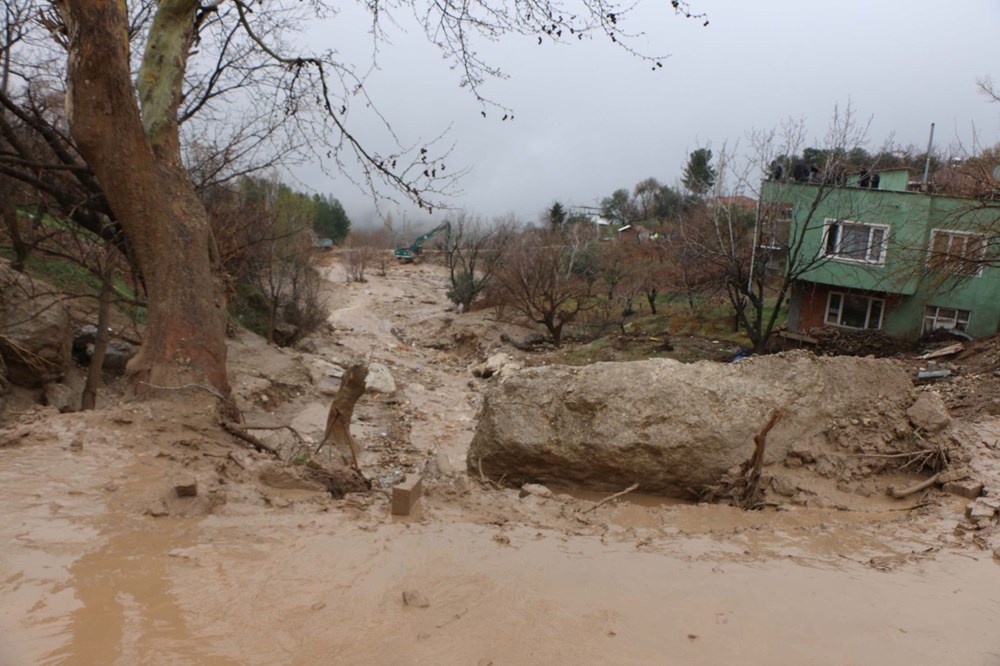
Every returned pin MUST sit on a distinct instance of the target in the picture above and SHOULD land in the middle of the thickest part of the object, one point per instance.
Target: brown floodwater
(85, 578)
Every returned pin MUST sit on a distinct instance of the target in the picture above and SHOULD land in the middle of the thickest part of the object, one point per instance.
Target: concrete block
(186, 486)
(979, 510)
(406, 494)
(967, 489)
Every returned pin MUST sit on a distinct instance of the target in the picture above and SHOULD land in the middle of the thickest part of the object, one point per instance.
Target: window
(948, 318)
(956, 252)
(853, 241)
(853, 311)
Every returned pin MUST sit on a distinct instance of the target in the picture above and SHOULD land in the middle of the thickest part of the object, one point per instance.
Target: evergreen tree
(557, 215)
(699, 175)
(331, 220)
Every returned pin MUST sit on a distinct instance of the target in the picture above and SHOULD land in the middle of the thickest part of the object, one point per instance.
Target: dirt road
(287, 576)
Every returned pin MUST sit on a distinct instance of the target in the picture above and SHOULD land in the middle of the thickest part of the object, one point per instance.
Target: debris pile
(868, 342)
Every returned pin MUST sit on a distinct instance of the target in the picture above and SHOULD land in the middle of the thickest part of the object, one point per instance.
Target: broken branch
(610, 498)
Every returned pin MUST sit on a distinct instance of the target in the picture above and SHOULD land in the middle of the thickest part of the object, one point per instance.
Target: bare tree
(133, 133)
(543, 277)
(472, 251)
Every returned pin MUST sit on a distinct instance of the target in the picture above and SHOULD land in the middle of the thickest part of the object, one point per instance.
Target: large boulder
(674, 428)
(35, 336)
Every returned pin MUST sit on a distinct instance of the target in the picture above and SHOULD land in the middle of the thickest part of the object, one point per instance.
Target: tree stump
(338, 420)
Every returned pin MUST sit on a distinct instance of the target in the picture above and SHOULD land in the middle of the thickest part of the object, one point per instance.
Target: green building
(875, 252)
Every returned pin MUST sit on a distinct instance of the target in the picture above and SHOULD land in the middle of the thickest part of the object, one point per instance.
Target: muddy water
(294, 589)
(85, 578)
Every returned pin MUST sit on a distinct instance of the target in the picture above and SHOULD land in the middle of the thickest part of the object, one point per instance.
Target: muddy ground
(102, 563)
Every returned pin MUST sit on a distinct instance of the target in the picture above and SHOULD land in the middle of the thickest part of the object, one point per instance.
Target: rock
(379, 379)
(320, 370)
(62, 397)
(83, 343)
(186, 486)
(35, 339)
(535, 489)
(444, 464)
(782, 486)
(803, 453)
(929, 412)
(117, 355)
(496, 365)
(438, 465)
(157, 509)
(285, 334)
(527, 343)
(980, 510)
(967, 489)
(415, 598)
(674, 428)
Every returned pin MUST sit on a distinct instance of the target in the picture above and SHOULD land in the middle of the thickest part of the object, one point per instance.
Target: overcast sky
(590, 119)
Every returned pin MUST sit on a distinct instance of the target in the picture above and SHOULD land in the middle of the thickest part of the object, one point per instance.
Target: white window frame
(829, 224)
(954, 233)
(935, 318)
(868, 312)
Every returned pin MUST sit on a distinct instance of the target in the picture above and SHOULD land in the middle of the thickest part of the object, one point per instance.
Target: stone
(157, 509)
(444, 464)
(674, 428)
(117, 355)
(782, 486)
(379, 379)
(35, 335)
(535, 489)
(929, 413)
(62, 397)
(500, 364)
(415, 599)
(967, 489)
(406, 494)
(285, 334)
(186, 486)
(979, 510)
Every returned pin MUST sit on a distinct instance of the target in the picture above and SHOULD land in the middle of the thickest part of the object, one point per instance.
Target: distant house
(890, 257)
(739, 201)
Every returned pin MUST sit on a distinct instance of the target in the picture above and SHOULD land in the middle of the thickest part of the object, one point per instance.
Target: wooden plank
(944, 351)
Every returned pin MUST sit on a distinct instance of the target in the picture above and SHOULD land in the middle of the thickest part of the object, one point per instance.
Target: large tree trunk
(136, 158)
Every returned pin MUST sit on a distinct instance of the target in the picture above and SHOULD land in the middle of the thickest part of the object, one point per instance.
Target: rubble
(832, 341)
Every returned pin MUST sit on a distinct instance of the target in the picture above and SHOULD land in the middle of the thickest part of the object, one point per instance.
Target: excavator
(409, 254)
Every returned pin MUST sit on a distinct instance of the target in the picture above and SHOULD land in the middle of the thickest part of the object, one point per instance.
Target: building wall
(904, 278)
